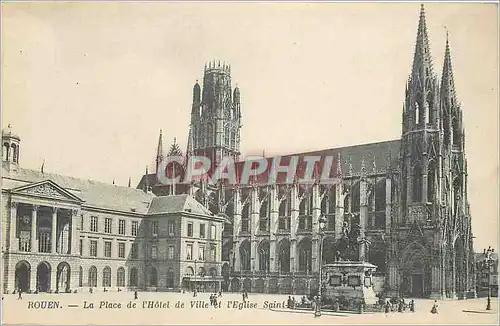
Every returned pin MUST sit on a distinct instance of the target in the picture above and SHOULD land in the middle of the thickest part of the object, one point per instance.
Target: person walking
(434, 309)
(412, 305)
(20, 295)
(136, 296)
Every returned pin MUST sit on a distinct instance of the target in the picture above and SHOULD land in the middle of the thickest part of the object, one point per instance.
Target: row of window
(202, 231)
(108, 226)
(201, 252)
(154, 252)
(108, 251)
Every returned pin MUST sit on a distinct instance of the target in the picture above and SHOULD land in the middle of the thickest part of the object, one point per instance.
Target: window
(93, 223)
(212, 253)
(120, 277)
(121, 227)
(134, 252)
(134, 277)
(202, 231)
(212, 232)
(201, 253)
(81, 247)
(107, 225)
(189, 254)
(107, 248)
(154, 252)
(80, 277)
(171, 252)
(190, 229)
(135, 226)
(93, 248)
(154, 228)
(121, 249)
(81, 222)
(106, 277)
(171, 227)
(93, 276)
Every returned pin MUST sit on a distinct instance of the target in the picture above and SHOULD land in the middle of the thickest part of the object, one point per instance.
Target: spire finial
(129, 181)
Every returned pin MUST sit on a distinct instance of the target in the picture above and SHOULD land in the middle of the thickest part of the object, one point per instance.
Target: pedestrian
(400, 306)
(412, 305)
(434, 309)
(20, 295)
(136, 296)
(244, 298)
(387, 307)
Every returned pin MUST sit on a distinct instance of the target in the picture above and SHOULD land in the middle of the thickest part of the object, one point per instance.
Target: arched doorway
(22, 277)
(43, 277)
(63, 277)
(415, 271)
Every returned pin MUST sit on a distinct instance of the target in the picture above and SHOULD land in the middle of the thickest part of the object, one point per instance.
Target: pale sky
(87, 86)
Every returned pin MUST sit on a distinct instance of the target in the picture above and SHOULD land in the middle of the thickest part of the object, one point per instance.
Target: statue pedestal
(351, 280)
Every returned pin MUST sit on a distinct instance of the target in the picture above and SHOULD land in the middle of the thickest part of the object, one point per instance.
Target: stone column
(294, 196)
(436, 282)
(236, 229)
(388, 204)
(33, 285)
(34, 229)
(14, 243)
(316, 212)
(53, 240)
(339, 209)
(74, 232)
(53, 279)
(254, 226)
(363, 214)
(273, 228)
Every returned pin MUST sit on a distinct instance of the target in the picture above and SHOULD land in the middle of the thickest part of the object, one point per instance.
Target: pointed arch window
(245, 256)
(417, 183)
(431, 182)
(417, 113)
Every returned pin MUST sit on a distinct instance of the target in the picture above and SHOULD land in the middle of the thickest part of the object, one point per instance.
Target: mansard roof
(177, 204)
(93, 193)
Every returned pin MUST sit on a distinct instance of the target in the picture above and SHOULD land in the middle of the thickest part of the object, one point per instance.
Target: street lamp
(489, 261)
(322, 227)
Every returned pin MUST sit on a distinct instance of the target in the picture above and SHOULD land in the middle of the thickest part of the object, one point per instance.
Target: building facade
(405, 199)
(61, 234)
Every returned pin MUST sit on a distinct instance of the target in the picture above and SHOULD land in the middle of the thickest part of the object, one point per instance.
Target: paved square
(106, 311)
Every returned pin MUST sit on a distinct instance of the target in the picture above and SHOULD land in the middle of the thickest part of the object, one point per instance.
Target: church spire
(422, 60)
(159, 150)
(447, 82)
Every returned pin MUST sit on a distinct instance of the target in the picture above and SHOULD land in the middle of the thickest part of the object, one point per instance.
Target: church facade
(406, 199)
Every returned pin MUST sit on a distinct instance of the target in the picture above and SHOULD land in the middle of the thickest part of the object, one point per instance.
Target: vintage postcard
(249, 163)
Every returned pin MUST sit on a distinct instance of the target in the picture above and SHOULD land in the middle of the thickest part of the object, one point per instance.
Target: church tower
(215, 116)
(434, 231)
(420, 134)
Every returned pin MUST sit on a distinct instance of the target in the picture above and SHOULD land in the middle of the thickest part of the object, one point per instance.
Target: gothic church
(407, 198)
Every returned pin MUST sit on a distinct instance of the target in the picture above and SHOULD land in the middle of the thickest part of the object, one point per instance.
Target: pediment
(46, 189)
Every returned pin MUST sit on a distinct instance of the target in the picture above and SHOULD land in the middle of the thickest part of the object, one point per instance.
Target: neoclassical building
(64, 234)
(405, 198)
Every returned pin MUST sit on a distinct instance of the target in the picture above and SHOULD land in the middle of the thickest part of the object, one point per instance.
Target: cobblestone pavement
(151, 309)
